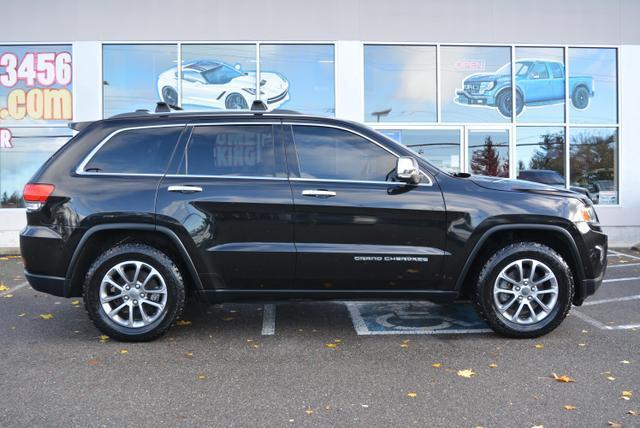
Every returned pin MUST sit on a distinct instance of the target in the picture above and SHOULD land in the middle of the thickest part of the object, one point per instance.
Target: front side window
(136, 151)
(231, 150)
(335, 154)
(539, 71)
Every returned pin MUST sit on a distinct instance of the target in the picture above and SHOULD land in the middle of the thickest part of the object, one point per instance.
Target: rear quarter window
(136, 151)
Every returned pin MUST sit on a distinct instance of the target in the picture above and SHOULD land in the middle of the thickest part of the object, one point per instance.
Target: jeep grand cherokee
(138, 211)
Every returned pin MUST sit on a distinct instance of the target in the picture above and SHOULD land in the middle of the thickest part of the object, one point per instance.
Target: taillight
(35, 195)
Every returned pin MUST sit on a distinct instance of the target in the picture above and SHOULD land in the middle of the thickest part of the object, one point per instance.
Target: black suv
(138, 211)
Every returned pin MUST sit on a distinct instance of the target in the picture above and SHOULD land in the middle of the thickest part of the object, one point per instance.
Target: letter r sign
(5, 139)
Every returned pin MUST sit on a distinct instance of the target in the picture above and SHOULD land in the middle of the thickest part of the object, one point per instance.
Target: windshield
(221, 74)
(522, 68)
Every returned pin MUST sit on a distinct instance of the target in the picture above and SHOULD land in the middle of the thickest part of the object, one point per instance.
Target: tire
(145, 296)
(580, 98)
(506, 260)
(235, 101)
(170, 96)
(503, 101)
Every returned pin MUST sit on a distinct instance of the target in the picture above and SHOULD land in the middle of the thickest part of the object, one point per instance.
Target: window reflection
(540, 154)
(441, 147)
(593, 162)
(400, 83)
(593, 80)
(489, 153)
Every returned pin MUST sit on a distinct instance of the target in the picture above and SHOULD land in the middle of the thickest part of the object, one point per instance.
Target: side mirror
(407, 170)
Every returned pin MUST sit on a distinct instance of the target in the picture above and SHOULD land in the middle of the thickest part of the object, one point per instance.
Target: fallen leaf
(183, 322)
(614, 424)
(412, 394)
(201, 377)
(436, 365)
(3, 287)
(625, 362)
(75, 302)
(331, 345)
(337, 340)
(225, 319)
(124, 351)
(493, 365)
(404, 345)
(466, 373)
(633, 413)
(366, 406)
(626, 395)
(103, 338)
(309, 411)
(582, 344)
(7, 296)
(92, 362)
(538, 426)
(611, 378)
(563, 378)
(189, 354)
(46, 316)
(569, 407)
(585, 331)
(22, 314)
(539, 346)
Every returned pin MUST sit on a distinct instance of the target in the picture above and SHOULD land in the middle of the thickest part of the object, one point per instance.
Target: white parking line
(633, 278)
(14, 289)
(269, 320)
(619, 254)
(615, 299)
(623, 265)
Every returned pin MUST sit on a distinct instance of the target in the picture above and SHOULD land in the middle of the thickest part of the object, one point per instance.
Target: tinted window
(329, 153)
(139, 151)
(232, 150)
(556, 70)
(192, 76)
(541, 70)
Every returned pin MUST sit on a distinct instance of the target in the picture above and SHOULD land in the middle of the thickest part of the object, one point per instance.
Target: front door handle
(320, 193)
(185, 189)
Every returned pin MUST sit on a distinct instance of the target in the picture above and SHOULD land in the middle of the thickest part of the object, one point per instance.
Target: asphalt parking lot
(333, 363)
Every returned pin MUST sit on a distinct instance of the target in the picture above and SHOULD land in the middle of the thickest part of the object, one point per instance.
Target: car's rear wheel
(524, 290)
(133, 292)
(580, 98)
(170, 95)
(235, 101)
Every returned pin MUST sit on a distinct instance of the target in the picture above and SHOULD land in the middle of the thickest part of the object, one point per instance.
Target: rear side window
(556, 70)
(335, 154)
(136, 151)
(231, 150)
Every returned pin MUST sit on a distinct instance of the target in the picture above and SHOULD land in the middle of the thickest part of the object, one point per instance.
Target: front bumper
(474, 99)
(595, 266)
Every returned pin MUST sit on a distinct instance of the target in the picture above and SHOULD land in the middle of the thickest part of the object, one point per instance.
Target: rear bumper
(596, 260)
(47, 284)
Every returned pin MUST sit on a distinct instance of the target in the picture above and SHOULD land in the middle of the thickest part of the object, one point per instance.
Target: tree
(551, 153)
(486, 160)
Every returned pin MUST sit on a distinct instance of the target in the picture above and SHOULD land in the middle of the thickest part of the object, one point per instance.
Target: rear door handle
(320, 193)
(185, 189)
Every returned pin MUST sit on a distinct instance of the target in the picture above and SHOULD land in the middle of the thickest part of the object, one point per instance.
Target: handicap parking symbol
(371, 318)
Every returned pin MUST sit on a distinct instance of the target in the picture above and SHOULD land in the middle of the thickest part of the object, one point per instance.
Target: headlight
(487, 86)
(252, 91)
(586, 214)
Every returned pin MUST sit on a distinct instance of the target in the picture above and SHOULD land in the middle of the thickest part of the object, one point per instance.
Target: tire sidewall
(576, 98)
(549, 258)
(112, 258)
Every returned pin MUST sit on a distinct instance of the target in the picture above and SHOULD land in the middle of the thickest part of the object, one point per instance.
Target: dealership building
(546, 91)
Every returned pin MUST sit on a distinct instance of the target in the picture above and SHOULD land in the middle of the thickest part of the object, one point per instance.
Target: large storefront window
(539, 75)
(36, 102)
(138, 76)
(220, 77)
(298, 77)
(400, 83)
(593, 162)
(30, 148)
(540, 155)
(475, 84)
(592, 85)
(441, 147)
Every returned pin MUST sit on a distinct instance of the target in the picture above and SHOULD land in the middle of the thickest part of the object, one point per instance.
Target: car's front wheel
(235, 101)
(524, 290)
(170, 95)
(133, 292)
(504, 103)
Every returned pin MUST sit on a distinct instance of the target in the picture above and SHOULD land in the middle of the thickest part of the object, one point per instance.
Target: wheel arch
(100, 237)
(556, 237)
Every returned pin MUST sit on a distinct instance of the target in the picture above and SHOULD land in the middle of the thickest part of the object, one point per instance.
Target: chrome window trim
(80, 168)
(327, 125)
(226, 177)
